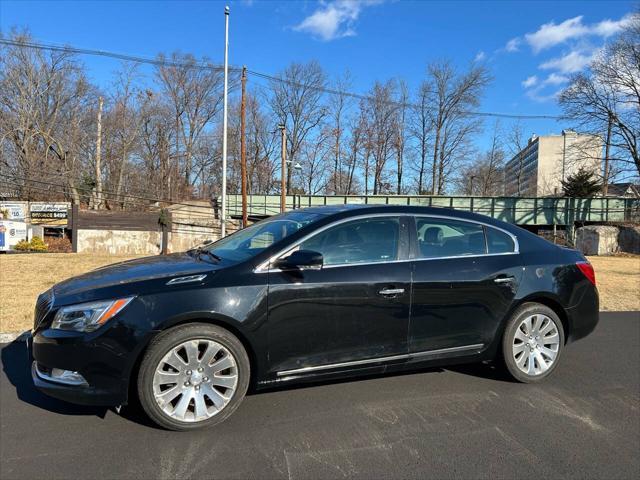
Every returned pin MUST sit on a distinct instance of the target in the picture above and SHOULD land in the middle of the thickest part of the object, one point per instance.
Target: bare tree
(606, 99)
(337, 106)
(451, 96)
(296, 101)
(380, 110)
(517, 143)
(421, 131)
(401, 131)
(195, 94)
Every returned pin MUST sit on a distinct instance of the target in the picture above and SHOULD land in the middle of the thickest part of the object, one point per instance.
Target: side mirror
(300, 260)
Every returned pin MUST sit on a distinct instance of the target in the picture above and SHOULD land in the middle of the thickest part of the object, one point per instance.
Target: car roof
(360, 209)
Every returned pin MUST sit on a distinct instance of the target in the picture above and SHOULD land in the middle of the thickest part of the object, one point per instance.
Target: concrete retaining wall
(118, 242)
(629, 238)
(597, 240)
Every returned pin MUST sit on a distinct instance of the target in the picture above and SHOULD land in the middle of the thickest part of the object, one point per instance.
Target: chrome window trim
(264, 266)
(404, 356)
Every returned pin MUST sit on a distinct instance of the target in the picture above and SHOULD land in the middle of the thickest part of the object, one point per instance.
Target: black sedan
(309, 295)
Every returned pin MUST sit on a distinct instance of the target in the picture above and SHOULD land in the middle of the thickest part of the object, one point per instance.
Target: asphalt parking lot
(464, 422)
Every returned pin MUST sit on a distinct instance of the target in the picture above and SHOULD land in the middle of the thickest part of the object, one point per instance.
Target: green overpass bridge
(524, 211)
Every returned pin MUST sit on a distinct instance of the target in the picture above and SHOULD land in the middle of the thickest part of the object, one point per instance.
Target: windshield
(249, 242)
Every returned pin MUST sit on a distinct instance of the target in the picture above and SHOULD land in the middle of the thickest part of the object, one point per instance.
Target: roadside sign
(12, 211)
(48, 213)
(11, 233)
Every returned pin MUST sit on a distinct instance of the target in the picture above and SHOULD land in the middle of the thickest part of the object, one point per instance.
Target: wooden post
(74, 227)
(164, 225)
(243, 150)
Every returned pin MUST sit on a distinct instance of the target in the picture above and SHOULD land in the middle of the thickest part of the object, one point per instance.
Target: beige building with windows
(538, 170)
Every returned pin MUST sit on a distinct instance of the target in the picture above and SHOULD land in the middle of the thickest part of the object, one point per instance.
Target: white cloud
(551, 34)
(334, 19)
(480, 56)
(608, 27)
(530, 81)
(555, 79)
(572, 62)
(513, 45)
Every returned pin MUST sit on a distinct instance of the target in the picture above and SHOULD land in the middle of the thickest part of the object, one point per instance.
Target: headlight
(87, 317)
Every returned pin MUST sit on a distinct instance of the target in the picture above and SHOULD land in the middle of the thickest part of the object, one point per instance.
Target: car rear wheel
(533, 342)
(193, 376)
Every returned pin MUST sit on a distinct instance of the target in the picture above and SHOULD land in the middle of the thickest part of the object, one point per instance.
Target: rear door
(355, 310)
(465, 276)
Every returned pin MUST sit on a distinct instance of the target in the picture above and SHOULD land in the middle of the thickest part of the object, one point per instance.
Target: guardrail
(517, 210)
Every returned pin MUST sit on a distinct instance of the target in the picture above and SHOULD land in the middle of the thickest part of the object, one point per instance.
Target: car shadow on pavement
(17, 368)
(488, 370)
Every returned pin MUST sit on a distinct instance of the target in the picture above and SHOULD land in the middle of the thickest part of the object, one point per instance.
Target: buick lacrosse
(313, 294)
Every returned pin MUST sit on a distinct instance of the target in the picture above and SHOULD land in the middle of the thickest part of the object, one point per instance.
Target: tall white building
(540, 167)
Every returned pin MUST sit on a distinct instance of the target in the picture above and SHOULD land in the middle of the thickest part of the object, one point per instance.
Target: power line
(118, 56)
(122, 196)
(264, 76)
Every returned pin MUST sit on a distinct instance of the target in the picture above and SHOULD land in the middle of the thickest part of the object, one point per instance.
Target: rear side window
(360, 241)
(449, 238)
(499, 242)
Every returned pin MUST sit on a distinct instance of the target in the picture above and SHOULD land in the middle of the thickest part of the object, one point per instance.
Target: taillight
(587, 270)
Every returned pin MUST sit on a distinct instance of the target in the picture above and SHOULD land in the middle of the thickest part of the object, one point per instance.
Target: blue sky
(530, 47)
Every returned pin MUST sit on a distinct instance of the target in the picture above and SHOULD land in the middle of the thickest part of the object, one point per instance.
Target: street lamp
(283, 167)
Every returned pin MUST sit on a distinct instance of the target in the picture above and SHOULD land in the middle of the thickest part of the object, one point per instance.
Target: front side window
(439, 237)
(359, 241)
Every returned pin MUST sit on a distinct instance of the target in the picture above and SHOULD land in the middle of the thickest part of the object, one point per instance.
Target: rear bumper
(584, 316)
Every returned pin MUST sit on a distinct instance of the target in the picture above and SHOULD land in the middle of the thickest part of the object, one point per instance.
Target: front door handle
(503, 280)
(388, 292)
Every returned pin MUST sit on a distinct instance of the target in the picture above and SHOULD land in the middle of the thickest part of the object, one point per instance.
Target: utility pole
(607, 146)
(98, 172)
(223, 215)
(243, 150)
(283, 174)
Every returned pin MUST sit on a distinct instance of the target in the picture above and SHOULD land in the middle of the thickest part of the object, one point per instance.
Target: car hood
(134, 271)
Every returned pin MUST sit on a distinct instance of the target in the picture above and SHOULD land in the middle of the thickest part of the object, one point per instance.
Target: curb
(15, 337)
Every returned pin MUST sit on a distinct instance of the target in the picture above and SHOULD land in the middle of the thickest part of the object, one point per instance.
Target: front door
(465, 277)
(352, 311)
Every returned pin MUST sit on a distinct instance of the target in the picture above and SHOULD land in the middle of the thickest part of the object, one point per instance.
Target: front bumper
(79, 394)
(103, 359)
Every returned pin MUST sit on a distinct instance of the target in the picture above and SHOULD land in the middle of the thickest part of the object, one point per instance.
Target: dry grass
(23, 277)
(618, 280)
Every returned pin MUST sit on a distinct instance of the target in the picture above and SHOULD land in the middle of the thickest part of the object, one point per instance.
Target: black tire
(169, 339)
(518, 316)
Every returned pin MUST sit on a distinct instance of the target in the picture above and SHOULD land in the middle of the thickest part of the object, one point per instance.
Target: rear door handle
(387, 292)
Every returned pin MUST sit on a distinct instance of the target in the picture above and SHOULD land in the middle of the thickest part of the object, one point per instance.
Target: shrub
(22, 246)
(38, 245)
(58, 245)
(35, 245)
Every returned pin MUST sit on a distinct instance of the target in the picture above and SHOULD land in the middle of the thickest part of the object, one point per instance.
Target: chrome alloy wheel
(536, 344)
(195, 380)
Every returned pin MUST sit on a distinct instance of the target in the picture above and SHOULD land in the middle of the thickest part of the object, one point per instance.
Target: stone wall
(608, 240)
(119, 242)
(629, 238)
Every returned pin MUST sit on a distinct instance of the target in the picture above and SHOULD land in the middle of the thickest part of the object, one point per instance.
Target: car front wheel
(533, 342)
(193, 376)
